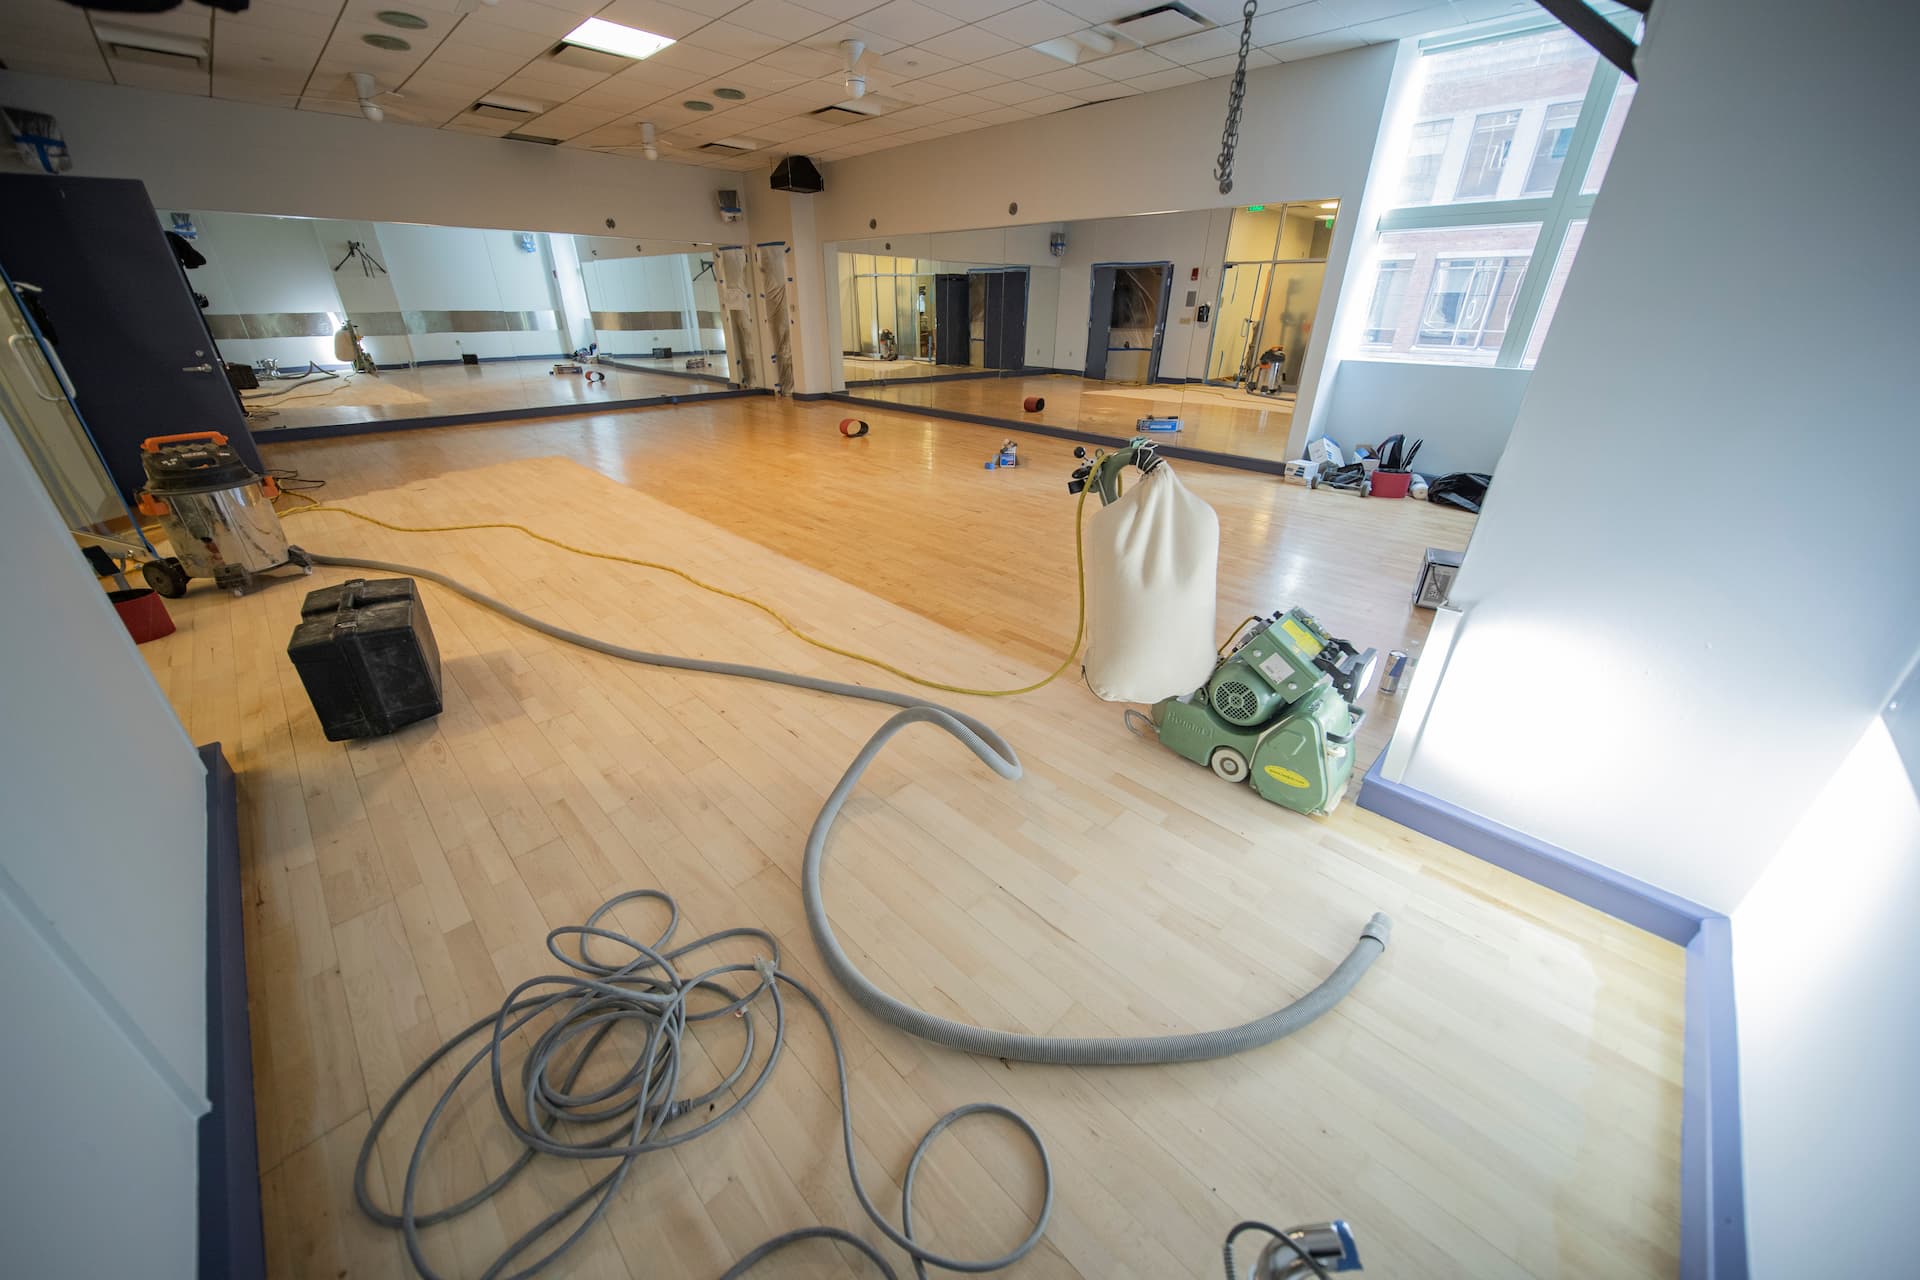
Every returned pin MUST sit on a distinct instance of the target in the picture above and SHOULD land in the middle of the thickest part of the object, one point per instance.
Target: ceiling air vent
(1160, 24)
(154, 48)
(517, 136)
(585, 59)
(498, 106)
(855, 109)
(728, 146)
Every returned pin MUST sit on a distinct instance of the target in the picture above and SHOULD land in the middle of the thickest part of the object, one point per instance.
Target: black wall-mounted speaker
(796, 173)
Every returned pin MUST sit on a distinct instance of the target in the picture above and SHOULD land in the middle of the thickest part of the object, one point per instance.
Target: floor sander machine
(1279, 706)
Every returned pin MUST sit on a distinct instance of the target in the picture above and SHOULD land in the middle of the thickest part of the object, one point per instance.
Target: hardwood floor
(1500, 1097)
(1214, 418)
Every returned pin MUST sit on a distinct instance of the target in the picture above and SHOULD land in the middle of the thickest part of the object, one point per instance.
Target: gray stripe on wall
(381, 324)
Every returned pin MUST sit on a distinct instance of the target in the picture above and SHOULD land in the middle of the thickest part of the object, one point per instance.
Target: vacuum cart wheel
(298, 556)
(1228, 763)
(166, 577)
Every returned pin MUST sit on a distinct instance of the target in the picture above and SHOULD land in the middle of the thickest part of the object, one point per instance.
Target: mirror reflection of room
(1205, 317)
(340, 322)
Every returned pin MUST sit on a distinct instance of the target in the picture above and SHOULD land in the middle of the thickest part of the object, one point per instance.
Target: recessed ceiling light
(1329, 204)
(402, 19)
(694, 104)
(611, 37)
(731, 95)
(393, 44)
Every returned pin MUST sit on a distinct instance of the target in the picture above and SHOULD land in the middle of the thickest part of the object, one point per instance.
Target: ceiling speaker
(796, 173)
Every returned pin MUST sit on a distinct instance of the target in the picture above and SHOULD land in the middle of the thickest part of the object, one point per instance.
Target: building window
(1470, 302)
(1389, 296)
(1424, 152)
(1550, 153)
(1487, 151)
(1509, 135)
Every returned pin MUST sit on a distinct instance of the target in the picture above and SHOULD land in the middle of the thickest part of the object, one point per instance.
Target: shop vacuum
(217, 515)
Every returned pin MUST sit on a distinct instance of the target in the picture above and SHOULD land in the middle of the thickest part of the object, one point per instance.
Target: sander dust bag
(1152, 556)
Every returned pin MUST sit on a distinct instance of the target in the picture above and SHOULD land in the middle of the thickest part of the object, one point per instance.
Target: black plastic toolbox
(366, 654)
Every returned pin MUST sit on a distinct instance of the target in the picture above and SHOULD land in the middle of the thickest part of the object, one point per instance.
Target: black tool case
(367, 657)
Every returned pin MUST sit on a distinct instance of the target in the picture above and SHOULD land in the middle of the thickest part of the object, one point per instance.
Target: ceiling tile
(1033, 22)
(1021, 64)
(552, 23)
(690, 57)
(744, 43)
(1013, 91)
(1079, 78)
(970, 44)
(479, 33)
(1314, 46)
(657, 16)
(779, 18)
(1004, 115)
(1400, 26)
(912, 62)
(806, 61)
(907, 22)
(1167, 79)
(840, 9)
(1125, 66)
(1103, 10)
(1309, 19)
(966, 79)
(1049, 103)
(876, 41)
(1198, 48)
(964, 104)
(763, 77)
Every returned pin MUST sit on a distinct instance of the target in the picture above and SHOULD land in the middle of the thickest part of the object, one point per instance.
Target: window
(1550, 153)
(1389, 296)
(1470, 302)
(1422, 176)
(1487, 155)
(1507, 139)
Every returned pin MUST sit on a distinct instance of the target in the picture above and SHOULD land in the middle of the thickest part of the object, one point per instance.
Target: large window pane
(1480, 103)
(1550, 151)
(1446, 294)
(1487, 150)
(1562, 264)
(1424, 151)
(1609, 135)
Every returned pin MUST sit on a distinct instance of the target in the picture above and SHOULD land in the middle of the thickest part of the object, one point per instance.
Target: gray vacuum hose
(998, 755)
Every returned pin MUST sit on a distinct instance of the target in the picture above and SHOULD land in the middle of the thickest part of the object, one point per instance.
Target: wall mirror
(342, 322)
(1209, 316)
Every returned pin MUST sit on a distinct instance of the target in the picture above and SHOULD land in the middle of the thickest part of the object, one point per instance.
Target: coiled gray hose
(998, 755)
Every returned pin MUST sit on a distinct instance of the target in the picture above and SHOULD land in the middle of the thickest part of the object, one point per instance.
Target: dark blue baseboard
(1713, 1216)
(374, 426)
(1168, 449)
(232, 1238)
(952, 377)
(808, 397)
(1713, 1239)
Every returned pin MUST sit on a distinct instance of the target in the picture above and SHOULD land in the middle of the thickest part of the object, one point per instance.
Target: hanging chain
(1230, 136)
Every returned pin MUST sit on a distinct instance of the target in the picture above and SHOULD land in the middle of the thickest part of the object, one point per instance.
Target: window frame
(1401, 263)
(1555, 211)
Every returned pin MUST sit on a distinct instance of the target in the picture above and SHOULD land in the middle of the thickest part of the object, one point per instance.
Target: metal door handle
(196, 368)
(33, 375)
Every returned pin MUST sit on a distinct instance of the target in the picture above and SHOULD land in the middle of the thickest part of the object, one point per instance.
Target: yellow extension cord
(1080, 574)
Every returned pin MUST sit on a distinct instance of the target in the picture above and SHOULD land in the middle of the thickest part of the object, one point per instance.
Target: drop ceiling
(967, 64)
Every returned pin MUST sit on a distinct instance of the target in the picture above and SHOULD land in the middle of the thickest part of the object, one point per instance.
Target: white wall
(1675, 629)
(200, 153)
(1463, 414)
(1309, 131)
(260, 266)
(468, 269)
(1826, 980)
(103, 886)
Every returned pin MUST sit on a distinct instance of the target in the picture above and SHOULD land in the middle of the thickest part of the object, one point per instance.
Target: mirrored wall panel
(1205, 317)
(340, 322)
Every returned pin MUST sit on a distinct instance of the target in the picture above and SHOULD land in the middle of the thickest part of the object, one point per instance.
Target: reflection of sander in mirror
(347, 349)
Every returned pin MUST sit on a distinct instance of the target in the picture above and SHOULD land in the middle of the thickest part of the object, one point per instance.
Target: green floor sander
(1278, 711)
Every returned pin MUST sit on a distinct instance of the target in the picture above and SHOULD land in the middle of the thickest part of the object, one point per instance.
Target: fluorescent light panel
(611, 37)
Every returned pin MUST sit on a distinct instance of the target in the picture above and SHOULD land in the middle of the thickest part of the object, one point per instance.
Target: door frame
(1159, 324)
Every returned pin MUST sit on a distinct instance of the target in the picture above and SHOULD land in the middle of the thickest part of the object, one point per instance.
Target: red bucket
(1034, 404)
(143, 614)
(1391, 484)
